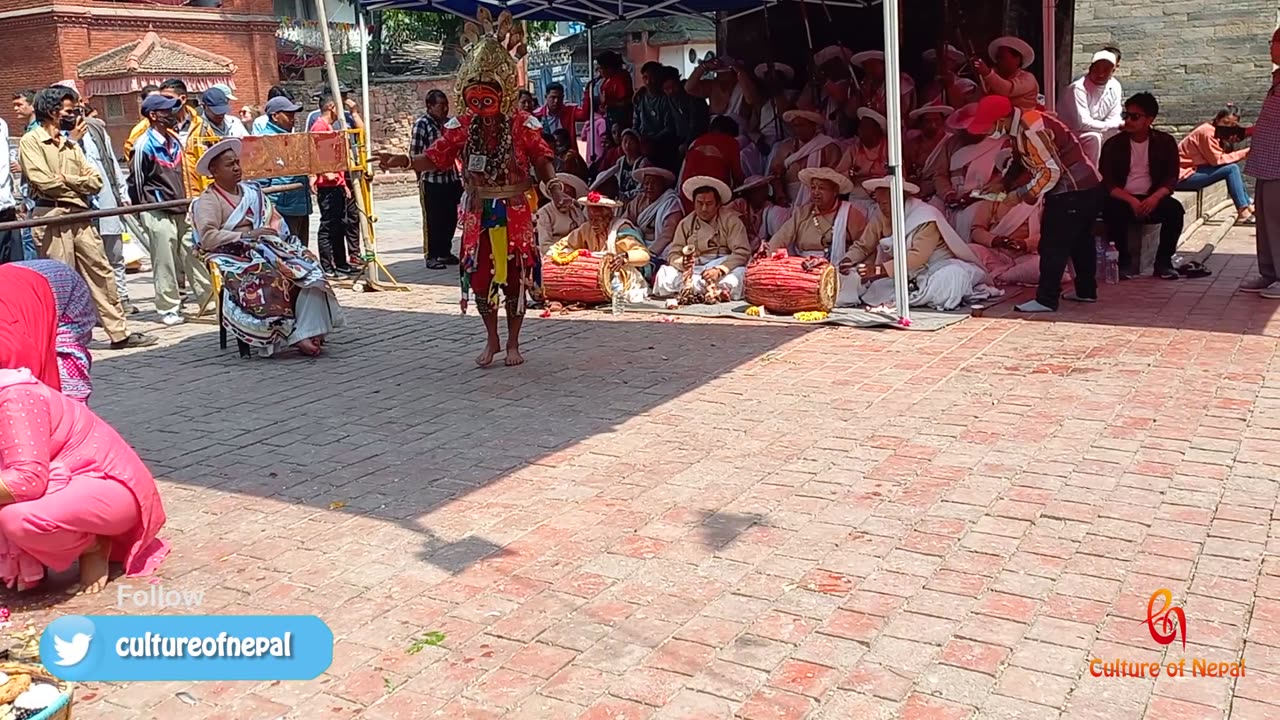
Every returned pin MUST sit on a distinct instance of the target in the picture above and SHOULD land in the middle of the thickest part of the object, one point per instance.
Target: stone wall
(396, 104)
(1193, 55)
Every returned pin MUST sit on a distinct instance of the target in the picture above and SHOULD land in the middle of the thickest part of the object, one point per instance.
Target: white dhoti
(941, 285)
(316, 312)
(670, 279)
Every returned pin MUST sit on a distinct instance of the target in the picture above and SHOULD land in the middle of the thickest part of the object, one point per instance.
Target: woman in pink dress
(70, 488)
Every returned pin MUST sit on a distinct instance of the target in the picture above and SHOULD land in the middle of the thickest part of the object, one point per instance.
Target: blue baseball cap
(159, 103)
(216, 100)
(280, 104)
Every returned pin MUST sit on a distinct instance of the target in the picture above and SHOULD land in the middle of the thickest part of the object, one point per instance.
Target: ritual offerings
(785, 285)
(29, 692)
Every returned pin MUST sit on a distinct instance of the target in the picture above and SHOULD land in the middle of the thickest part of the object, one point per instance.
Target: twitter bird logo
(71, 638)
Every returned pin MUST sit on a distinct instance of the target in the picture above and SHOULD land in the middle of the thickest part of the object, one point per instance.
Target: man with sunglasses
(1139, 171)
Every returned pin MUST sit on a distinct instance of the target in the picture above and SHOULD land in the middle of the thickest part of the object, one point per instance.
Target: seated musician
(925, 154)
(973, 166)
(607, 233)
(867, 157)
(825, 226)
(656, 211)
(553, 222)
(874, 84)
(809, 146)
(948, 88)
(710, 251)
(1008, 75)
(1006, 237)
(832, 96)
(941, 268)
(755, 204)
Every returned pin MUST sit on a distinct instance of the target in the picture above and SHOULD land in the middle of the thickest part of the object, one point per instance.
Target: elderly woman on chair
(276, 296)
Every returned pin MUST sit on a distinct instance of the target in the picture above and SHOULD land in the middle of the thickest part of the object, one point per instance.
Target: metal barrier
(118, 211)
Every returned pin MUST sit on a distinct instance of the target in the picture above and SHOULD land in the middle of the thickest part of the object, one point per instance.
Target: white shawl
(812, 152)
(657, 211)
(919, 214)
(978, 161)
(1015, 218)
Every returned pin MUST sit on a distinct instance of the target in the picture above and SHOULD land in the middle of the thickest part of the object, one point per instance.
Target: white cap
(1105, 55)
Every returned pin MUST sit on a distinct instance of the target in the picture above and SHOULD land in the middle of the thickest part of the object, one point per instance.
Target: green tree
(401, 26)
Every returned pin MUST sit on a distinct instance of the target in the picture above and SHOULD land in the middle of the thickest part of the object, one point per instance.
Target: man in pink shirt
(1264, 165)
(1202, 161)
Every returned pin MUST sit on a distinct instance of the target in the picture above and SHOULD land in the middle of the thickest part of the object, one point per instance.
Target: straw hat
(574, 186)
(1017, 45)
(886, 182)
(951, 50)
(202, 167)
(816, 118)
(943, 110)
(861, 58)
(753, 182)
(843, 184)
(829, 53)
(783, 69)
(641, 173)
(866, 112)
(959, 120)
(595, 199)
(701, 181)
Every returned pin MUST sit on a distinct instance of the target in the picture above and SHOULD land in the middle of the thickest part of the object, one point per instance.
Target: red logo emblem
(1172, 620)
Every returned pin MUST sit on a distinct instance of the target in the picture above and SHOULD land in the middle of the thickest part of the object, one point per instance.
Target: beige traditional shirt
(57, 169)
(552, 224)
(726, 236)
(586, 237)
(989, 213)
(659, 231)
(923, 244)
(1022, 89)
(923, 163)
(788, 176)
(809, 231)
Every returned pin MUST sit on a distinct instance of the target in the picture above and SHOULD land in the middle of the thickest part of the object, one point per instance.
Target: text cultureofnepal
(154, 645)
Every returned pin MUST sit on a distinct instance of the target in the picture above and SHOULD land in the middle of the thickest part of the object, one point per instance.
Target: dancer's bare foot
(308, 347)
(485, 358)
(94, 569)
(514, 357)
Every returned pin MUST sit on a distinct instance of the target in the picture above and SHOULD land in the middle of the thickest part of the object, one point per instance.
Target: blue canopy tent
(592, 12)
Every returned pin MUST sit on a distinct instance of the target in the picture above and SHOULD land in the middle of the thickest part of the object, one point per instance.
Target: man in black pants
(439, 191)
(1060, 173)
(1139, 171)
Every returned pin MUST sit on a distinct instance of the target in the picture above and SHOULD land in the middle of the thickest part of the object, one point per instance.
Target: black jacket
(1162, 157)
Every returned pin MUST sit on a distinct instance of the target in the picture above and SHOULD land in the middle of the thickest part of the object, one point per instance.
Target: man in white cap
(941, 267)
(873, 83)
(825, 227)
(947, 88)
(868, 156)
(656, 211)
(1093, 108)
(808, 147)
(1012, 56)
(754, 203)
(554, 221)
(709, 254)
(605, 232)
(924, 153)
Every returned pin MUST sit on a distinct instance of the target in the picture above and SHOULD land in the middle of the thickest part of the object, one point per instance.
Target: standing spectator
(188, 125)
(96, 145)
(439, 190)
(10, 169)
(63, 182)
(1093, 112)
(1139, 172)
(567, 159)
(1264, 165)
(351, 217)
(1204, 161)
(215, 111)
(24, 110)
(247, 114)
(555, 114)
(1066, 180)
(614, 88)
(293, 205)
(331, 194)
(652, 112)
(691, 116)
(157, 175)
(525, 101)
(143, 124)
(259, 124)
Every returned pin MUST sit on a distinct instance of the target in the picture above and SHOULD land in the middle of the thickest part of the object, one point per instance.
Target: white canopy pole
(364, 82)
(1049, 54)
(591, 100)
(323, 16)
(893, 104)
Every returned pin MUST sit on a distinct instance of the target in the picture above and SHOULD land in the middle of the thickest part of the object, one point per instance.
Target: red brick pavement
(706, 520)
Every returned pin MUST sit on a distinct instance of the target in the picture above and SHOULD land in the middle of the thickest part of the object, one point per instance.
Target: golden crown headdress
(492, 49)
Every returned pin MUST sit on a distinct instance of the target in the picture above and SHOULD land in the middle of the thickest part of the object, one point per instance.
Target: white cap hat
(202, 166)
(1105, 55)
(886, 182)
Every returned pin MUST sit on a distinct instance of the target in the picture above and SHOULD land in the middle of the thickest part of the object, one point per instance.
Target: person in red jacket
(556, 114)
(613, 84)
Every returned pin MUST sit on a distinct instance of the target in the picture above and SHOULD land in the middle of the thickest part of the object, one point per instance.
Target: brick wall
(1193, 55)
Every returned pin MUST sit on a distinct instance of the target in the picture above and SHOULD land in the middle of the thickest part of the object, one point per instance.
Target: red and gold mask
(483, 100)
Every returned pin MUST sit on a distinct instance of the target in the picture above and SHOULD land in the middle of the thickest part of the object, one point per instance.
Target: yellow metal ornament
(491, 54)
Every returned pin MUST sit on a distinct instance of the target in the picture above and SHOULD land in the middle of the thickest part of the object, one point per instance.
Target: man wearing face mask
(157, 175)
(62, 182)
(293, 205)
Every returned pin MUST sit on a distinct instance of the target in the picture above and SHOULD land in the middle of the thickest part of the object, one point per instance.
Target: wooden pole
(118, 211)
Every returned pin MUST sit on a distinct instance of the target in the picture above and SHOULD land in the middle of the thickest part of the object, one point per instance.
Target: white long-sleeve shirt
(8, 183)
(1093, 108)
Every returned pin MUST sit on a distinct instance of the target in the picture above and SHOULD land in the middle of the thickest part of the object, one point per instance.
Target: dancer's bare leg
(513, 339)
(494, 343)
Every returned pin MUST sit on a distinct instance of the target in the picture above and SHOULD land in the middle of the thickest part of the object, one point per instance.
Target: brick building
(42, 42)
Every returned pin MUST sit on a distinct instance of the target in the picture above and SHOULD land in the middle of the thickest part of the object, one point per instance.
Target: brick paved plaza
(715, 519)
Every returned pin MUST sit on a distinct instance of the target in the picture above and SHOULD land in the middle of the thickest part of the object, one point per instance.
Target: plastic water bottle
(1113, 265)
(616, 304)
(1100, 258)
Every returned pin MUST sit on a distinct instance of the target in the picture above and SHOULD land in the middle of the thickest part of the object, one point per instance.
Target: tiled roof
(673, 30)
(154, 55)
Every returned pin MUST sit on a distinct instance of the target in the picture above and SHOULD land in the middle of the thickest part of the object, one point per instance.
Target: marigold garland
(811, 316)
(755, 311)
(564, 258)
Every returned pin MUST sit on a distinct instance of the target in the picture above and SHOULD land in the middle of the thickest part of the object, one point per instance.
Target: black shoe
(347, 271)
(135, 340)
(330, 275)
(435, 264)
(451, 260)
(129, 308)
